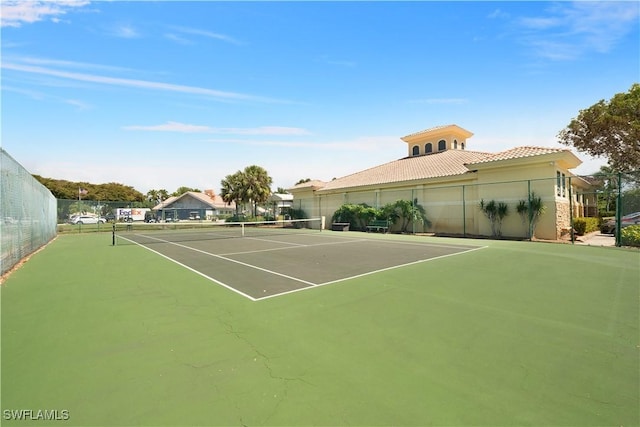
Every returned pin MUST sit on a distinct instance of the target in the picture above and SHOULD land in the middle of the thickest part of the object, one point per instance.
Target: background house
(280, 204)
(193, 206)
(446, 178)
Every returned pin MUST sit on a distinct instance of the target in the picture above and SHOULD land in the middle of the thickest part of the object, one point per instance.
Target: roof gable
(213, 202)
(564, 155)
(436, 132)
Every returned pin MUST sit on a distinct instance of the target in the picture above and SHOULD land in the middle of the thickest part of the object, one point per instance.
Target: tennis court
(413, 331)
(263, 260)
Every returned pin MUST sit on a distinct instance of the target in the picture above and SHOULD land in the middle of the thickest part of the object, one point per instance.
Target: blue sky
(158, 95)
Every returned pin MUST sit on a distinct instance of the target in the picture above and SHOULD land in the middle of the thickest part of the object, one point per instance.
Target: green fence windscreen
(28, 213)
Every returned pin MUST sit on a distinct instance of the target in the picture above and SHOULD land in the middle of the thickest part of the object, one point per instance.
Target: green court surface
(391, 330)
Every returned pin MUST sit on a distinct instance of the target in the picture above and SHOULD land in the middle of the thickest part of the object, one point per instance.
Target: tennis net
(164, 232)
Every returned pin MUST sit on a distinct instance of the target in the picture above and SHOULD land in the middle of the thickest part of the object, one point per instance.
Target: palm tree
(257, 186)
(495, 212)
(157, 196)
(231, 189)
(407, 211)
(530, 212)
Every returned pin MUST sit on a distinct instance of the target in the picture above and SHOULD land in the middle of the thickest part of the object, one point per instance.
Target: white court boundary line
(311, 285)
(297, 245)
(191, 269)
(371, 272)
(235, 261)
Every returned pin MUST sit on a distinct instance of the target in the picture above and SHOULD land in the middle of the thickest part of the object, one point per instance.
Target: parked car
(609, 226)
(87, 219)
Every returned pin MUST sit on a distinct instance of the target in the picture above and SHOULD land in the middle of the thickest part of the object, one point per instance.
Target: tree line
(251, 185)
(63, 189)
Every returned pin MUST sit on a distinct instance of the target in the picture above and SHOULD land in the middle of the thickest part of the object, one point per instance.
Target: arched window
(442, 145)
(416, 150)
(455, 144)
(428, 148)
(462, 145)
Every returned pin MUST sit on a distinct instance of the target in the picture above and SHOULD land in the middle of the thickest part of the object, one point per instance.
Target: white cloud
(171, 127)
(125, 31)
(339, 62)
(63, 63)
(207, 34)
(178, 39)
(79, 104)
(264, 130)
(498, 13)
(569, 30)
(141, 84)
(188, 128)
(378, 143)
(18, 12)
(450, 101)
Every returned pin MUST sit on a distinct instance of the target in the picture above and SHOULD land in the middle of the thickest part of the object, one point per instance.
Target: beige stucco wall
(452, 204)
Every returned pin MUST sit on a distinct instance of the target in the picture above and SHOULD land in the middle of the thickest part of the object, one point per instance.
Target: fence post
(530, 213)
(619, 211)
(571, 229)
(413, 211)
(464, 213)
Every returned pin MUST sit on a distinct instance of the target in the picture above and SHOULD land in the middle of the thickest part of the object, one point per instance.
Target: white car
(87, 219)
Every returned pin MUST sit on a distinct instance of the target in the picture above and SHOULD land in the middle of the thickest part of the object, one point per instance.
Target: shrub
(358, 216)
(580, 226)
(298, 214)
(593, 224)
(404, 211)
(583, 226)
(495, 212)
(530, 211)
(236, 218)
(630, 236)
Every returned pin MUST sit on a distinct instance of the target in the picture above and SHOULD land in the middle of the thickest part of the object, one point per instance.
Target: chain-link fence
(548, 208)
(123, 211)
(104, 210)
(28, 213)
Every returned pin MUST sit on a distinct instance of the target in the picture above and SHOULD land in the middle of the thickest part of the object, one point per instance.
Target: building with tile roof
(447, 179)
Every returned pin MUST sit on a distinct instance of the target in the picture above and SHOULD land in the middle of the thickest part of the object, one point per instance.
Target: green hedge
(586, 225)
(630, 236)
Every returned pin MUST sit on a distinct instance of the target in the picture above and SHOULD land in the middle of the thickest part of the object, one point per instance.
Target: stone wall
(563, 217)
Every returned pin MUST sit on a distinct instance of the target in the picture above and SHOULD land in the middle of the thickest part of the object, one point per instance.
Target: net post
(242, 229)
(322, 222)
(113, 234)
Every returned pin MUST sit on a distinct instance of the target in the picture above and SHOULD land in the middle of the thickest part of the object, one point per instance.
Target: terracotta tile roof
(214, 202)
(445, 163)
(520, 152)
(452, 128)
(314, 183)
(428, 130)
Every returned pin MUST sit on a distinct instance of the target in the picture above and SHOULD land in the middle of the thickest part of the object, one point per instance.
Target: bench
(340, 226)
(378, 225)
